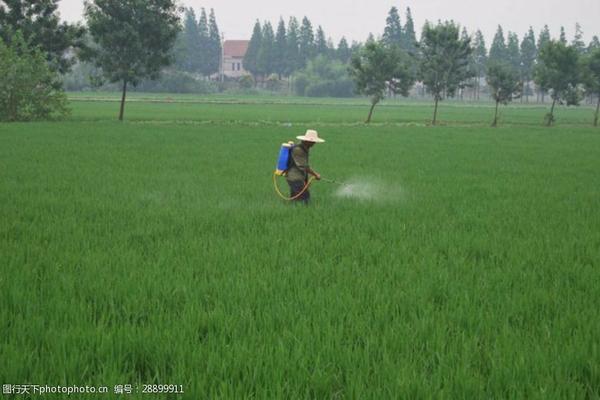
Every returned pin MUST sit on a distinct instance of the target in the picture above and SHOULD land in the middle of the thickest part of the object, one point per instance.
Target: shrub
(323, 77)
(29, 89)
(246, 82)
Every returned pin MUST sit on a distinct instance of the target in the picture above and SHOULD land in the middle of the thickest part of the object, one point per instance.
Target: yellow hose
(304, 189)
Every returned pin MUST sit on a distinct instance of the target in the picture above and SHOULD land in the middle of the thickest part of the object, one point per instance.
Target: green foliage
(29, 89)
(321, 47)
(578, 42)
(594, 44)
(215, 51)
(392, 34)
(293, 48)
(266, 54)
(444, 62)
(478, 60)
(498, 50)
(324, 77)
(190, 54)
(306, 43)
(133, 38)
(204, 41)
(409, 37)
(39, 23)
(380, 67)
(273, 83)
(513, 51)
(246, 82)
(505, 84)
(174, 81)
(591, 77)
(251, 58)
(528, 55)
(280, 50)
(343, 52)
(563, 36)
(559, 73)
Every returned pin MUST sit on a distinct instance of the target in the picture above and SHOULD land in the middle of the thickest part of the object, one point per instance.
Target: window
(233, 66)
(239, 66)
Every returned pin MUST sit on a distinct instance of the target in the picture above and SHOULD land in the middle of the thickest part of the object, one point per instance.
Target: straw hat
(311, 136)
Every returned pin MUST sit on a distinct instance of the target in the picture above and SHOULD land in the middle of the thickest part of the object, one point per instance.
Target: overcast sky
(355, 19)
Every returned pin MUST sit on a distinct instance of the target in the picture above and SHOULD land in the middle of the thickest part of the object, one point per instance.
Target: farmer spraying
(297, 176)
(293, 164)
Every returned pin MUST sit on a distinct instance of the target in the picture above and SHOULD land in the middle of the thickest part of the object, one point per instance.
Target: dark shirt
(298, 170)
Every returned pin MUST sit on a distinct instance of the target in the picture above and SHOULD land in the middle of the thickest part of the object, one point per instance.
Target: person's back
(297, 171)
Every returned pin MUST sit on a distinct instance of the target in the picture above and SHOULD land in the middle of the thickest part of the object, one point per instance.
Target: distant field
(155, 251)
(283, 110)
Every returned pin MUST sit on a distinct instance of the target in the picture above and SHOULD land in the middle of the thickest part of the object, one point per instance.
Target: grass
(155, 251)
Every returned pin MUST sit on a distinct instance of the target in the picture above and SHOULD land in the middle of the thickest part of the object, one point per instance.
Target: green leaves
(133, 37)
(29, 89)
(504, 82)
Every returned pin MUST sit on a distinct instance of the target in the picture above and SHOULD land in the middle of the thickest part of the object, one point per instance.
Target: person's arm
(313, 173)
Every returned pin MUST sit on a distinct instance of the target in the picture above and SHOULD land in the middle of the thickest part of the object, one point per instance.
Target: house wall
(233, 67)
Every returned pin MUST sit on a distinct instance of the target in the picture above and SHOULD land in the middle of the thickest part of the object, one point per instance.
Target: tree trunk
(373, 104)
(597, 111)
(123, 100)
(495, 123)
(435, 112)
(551, 118)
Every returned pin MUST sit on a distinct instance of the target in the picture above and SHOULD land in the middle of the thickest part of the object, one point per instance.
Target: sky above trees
(355, 19)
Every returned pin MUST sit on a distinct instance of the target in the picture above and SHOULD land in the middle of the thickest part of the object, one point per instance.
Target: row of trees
(198, 47)
(442, 59)
(290, 48)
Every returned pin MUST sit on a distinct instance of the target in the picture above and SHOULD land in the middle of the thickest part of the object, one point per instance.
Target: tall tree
(266, 59)
(528, 57)
(293, 47)
(252, 54)
(578, 42)
(280, 50)
(40, 25)
(498, 51)
(343, 51)
(204, 41)
(591, 78)
(594, 44)
(479, 60)
(307, 42)
(189, 58)
(379, 67)
(321, 47)
(563, 35)
(392, 34)
(409, 38)
(505, 85)
(215, 49)
(133, 38)
(444, 61)
(513, 51)
(558, 72)
(543, 39)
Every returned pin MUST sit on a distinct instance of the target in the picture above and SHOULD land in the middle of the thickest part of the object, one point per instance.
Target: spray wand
(334, 181)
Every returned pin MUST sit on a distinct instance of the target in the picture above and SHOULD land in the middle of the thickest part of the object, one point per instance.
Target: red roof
(235, 48)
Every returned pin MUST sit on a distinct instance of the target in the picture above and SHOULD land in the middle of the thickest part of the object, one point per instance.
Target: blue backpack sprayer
(283, 165)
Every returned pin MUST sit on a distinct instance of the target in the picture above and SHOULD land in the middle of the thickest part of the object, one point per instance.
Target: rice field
(460, 261)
